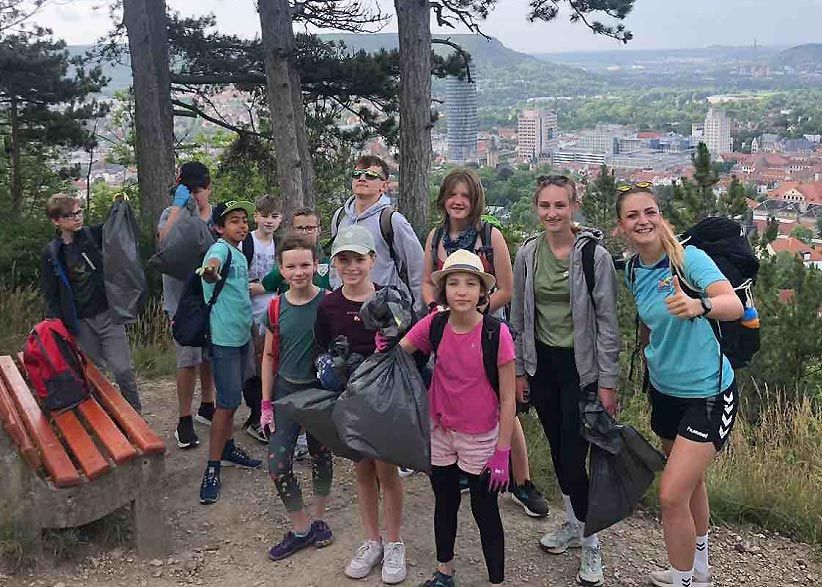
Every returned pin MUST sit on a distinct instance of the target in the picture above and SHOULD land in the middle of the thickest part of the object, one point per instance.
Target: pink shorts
(469, 451)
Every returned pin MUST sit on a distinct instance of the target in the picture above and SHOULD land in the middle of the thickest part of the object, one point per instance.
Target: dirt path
(226, 544)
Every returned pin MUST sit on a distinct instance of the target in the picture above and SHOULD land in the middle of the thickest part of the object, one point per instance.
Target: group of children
(282, 305)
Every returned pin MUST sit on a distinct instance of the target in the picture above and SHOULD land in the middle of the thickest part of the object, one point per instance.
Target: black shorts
(701, 419)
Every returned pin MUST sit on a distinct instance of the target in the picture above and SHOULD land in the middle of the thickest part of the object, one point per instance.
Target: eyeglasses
(642, 186)
(558, 180)
(305, 228)
(367, 174)
(76, 215)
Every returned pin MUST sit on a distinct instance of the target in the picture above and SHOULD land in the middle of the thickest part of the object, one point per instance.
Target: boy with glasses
(74, 291)
(305, 223)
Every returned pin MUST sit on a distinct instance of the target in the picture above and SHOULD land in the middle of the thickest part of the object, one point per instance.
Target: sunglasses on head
(642, 186)
(558, 180)
(367, 174)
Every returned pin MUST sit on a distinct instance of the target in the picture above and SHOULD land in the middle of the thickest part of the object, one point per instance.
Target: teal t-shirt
(231, 315)
(683, 355)
(297, 339)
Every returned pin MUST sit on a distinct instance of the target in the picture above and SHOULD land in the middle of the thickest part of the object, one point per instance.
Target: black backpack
(725, 243)
(490, 343)
(191, 324)
(484, 236)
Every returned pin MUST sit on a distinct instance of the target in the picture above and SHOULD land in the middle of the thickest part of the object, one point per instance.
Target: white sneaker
(403, 472)
(665, 579)
(393, 563)
(368, 554)
(590, 567)
(566, 537)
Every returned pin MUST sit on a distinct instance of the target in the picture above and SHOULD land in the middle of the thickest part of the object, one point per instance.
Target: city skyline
(698, 23)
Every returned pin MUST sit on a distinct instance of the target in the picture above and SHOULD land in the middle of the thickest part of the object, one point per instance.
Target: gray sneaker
(590, 567)
(558, 542)
(665, 579)
(393, 563)
(368, 554)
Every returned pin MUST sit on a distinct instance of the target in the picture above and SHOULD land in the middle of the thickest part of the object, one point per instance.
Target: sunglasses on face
(367, 174)
(76, 215)
(643, 186)
(557, 180)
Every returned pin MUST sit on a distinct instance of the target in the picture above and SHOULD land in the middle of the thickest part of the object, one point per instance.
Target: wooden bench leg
(150, 525)
(18, 519)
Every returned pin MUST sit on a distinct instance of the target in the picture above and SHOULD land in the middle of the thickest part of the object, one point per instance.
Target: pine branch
(205, 116)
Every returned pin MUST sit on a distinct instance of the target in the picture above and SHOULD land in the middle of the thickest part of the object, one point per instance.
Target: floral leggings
(281, 454)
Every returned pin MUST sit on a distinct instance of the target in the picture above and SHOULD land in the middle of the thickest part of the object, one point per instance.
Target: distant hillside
(801, 56)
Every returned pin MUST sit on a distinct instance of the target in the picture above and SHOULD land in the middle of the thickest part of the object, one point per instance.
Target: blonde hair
(670, 244)
(476, 194)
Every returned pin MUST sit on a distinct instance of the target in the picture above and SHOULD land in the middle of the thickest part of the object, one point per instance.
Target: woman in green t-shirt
(567, 342)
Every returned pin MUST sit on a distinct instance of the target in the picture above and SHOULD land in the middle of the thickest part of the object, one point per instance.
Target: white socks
(682, 578)
(591, 541)
(701, 555)
(570, 516)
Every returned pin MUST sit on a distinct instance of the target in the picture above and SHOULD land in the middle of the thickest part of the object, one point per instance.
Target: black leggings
(555, 393)
(446, 484)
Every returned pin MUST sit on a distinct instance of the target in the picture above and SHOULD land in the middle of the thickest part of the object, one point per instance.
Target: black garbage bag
(383, 412)
(125, 281)
(621, 466)
(390, 311)
(312, 408)
(182, 250)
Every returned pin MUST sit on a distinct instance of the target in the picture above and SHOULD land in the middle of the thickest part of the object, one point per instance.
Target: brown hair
(305, 211)
(59, 205)
(475, 193)
(484, 298)
(563, 181)
(366, 161)
(268, 204)
(294, 242)
(673, 248)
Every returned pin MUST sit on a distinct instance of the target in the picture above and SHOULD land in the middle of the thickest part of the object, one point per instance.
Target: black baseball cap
(224, 208)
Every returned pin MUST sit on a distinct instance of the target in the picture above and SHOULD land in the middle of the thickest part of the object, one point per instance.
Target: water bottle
(750, 318)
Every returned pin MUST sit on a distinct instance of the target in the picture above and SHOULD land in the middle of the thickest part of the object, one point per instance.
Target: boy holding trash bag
(472, 409)
(353, 256)
(286, 369)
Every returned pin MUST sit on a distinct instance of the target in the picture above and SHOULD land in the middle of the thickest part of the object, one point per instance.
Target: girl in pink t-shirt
(471, 422)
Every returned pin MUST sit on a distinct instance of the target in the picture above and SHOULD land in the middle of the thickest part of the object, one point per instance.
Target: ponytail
(673, 248)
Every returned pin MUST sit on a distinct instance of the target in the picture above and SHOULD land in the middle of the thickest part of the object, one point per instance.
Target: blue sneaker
(322, 533)
(210, 487)
(234, 456)
(440, 580)
(290, 544)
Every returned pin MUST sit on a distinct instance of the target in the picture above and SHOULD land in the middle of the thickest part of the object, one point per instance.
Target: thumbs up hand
(681, 304)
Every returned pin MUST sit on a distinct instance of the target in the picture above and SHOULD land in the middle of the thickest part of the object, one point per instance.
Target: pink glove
(267, 416)
(498, 466)
(380, 342)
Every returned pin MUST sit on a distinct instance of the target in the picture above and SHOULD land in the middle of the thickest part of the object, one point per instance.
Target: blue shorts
(230, 366)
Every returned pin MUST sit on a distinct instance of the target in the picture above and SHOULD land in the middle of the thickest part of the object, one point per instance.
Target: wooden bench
(80, 465)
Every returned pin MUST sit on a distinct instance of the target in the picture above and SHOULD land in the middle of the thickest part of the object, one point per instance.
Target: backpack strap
(223, 277)
(588, 250)
(387, 232)
(247, 248)
(274, 328)
(336, 221)
(630, 267)
(485, 240)
(437, 330)
(439, 232)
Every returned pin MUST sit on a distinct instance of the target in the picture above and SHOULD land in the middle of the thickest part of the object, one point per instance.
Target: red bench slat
(107, 432)
(54, 457)
(137, 430)
(16, 429)
(81, 445)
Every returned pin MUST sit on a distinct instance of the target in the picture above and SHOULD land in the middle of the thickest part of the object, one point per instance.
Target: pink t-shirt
(461, 397)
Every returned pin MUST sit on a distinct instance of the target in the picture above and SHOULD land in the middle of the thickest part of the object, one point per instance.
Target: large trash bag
(125, 281)
(182, 250)
(335, 366)
(389, 311)
(383, 412)
(621, 466)
(312, 408)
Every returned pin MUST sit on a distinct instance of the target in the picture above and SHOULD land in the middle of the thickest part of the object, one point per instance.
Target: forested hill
(802, 56)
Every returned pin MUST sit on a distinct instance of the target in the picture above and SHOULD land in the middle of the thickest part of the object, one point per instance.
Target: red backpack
(55, 365)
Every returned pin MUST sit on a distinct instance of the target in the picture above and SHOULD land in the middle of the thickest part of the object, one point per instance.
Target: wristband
(266, 404)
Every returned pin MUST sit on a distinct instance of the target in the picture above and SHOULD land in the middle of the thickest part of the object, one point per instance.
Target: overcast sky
(656, 24)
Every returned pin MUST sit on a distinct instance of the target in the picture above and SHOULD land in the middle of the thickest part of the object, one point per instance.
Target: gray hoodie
(406, 245)
(596, 331)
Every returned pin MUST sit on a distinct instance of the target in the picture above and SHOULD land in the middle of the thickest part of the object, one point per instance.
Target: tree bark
(146, 24)
(16, 160)
(294, 164)
(414, 24)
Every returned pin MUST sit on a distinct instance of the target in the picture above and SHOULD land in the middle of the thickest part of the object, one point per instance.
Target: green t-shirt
(552, 299)
(274, 282)
(297, 339)
(231, 314)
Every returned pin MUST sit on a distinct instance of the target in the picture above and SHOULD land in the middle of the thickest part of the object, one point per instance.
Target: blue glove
(326, 374)
(181, 195)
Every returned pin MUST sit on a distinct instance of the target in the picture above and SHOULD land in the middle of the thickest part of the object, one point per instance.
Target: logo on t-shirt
(322, 269)
(666, 284)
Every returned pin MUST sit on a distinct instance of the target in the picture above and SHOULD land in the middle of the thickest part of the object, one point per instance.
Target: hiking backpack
(725, 243)
(484, 236)
(191, 324)
(489, 342)
(55, 366)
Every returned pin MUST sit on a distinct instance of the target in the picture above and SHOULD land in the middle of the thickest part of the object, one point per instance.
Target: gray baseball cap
(353, 238)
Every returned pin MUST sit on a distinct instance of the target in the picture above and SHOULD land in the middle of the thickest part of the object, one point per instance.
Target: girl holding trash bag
(471, 421)
(353, 257)
(693, 395)
(287, 368)
(567, 339)
(461, 202)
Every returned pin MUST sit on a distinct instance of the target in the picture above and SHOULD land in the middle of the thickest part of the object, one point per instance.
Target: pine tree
(599, 205)
(734, 203)
(694, 199)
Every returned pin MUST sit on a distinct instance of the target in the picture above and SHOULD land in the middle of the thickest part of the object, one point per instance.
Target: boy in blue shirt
(231, 345)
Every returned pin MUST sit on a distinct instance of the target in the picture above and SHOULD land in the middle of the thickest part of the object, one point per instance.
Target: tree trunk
(414, 23)
(283, 90)
(16, 160)
(146, 23)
